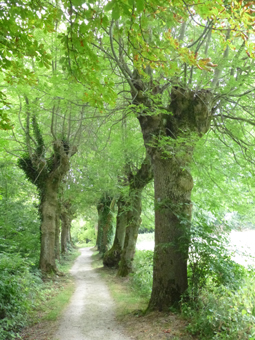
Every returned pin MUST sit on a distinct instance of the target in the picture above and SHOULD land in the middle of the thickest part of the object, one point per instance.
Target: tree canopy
(99, 99)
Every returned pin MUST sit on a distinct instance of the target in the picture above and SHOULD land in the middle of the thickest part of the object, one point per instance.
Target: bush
(210, 259)
(17, 289)
(223, 313)
(221, 292)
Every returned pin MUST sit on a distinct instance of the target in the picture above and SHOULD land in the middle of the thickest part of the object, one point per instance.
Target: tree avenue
(181, 68)
(183, 65)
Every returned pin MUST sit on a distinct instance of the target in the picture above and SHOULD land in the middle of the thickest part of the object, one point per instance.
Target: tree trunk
(66, 218)
(57, 245)
(46, 174)
(173, 207)
(64, 232)
(105, 224)
(112, 257)
(134, 222)
(170, 140)
(48, 226)
(137, 182)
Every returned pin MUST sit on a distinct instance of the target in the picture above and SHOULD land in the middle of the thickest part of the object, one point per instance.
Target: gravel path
(90, 314)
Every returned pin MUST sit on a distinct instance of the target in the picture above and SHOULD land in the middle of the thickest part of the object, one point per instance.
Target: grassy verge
(127, 299)
(60, 288)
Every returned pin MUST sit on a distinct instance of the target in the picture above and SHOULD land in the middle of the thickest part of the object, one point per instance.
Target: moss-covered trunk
(57, 243)
(137, 182)
(66, 216)
(105, 223)
(48, 226)
(173, 185)
(47, 174)
(170, 140)
(64, 232)
(112, 256)
(134, 222)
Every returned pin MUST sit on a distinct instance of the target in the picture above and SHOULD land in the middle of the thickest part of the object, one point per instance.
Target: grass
(56, 305)
(63, 288)
(127, 299)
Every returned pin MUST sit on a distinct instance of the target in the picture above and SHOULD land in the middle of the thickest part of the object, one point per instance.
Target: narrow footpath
(90, 313)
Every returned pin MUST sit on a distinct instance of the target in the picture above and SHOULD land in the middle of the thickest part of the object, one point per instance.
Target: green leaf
(140, 5)
(116, 12)
(244, 312)
(77, 2)
(109, 6)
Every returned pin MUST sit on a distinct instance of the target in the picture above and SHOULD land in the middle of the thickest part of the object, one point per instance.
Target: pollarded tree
(51, 119)
(137, 181)
(66, 216)
(165, 55)
(47, 174)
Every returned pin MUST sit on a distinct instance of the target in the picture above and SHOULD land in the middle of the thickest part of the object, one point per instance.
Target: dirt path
(90, 314)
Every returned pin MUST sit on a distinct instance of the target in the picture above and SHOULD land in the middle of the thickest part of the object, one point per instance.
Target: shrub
(223, 313)
(17, 288)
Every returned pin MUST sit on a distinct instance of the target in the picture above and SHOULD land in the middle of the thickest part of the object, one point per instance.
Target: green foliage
(209, 256)
(83, 231)
(220, 294)
(17, 291)
(142, 275)
(224, 313)
(19, 221)
(19, 228)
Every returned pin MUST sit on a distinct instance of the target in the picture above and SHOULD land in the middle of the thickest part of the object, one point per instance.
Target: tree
(164, 54)
(66, 216)
(47, 174)
(137, 181)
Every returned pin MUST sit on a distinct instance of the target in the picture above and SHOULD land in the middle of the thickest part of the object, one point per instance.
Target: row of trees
(129, 89)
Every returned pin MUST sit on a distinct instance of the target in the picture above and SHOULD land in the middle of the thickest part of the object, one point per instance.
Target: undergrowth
(141, 278)
(23, 293)
(220, 301)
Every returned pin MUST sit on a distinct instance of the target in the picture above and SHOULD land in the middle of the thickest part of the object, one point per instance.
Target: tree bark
(48, 227)
(105, 224)
(170, 140)
(64, 232)
(137, 182)
(66, 218)
(112, 256)
(57, 243)
(134, 222)
(173, 207)
(47, 175)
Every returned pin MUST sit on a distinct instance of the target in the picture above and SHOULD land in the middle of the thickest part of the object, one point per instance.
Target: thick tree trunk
(57, 244)
(48, 227)
(137, 182)
(66, 218)
(46, 174)
(69, 236)
(173, 207)
(64, 232)
(170, 139)
(134, 222)
(112, 256)
(105, 224)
